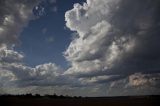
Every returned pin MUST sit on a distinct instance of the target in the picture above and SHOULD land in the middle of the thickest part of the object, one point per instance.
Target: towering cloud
(115, 37)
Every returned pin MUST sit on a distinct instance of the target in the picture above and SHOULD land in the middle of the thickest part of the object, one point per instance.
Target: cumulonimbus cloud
(115, 38)
(111, 37)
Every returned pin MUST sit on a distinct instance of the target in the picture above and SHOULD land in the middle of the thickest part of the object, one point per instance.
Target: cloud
(17, 78)
(112, 38)
(14, 73)
(10, 55)
(117, 38)
(39, 10)
(136, 84)
(139, 79)
(98, 46)
(47, 74)
(14, 13)
(6, 78)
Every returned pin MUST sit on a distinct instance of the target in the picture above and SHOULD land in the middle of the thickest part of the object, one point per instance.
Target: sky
(53, 37)
(80, 47)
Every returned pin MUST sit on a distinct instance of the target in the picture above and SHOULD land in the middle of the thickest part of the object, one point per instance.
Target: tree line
(30, 95)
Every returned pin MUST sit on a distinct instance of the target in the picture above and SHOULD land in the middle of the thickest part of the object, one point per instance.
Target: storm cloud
(115, 37)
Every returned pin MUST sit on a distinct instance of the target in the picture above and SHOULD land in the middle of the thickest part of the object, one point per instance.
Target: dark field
(100, 101)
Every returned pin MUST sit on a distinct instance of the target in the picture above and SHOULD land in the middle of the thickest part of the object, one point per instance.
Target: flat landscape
(79, 101)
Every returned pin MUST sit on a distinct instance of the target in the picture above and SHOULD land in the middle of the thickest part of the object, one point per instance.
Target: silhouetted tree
(37, 95)
(29, 95)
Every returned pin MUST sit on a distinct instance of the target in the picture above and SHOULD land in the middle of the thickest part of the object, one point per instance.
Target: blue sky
(35, 39)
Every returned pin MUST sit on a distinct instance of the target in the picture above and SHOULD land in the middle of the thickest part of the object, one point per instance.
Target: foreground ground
(101, 101)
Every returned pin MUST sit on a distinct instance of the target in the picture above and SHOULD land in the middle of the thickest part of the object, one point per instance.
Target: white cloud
(97, 46)
(82, 17)
(41, 75)
(7, 55)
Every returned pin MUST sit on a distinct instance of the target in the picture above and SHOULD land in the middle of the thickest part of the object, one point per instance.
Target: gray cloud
(136, 84)
(118, 37)
(9, 55)
(114, 39)
(14, 13)
(139, 79)
(41, 75)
